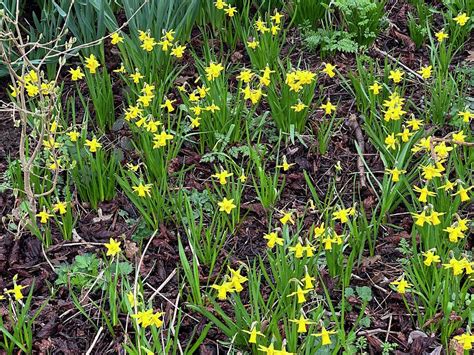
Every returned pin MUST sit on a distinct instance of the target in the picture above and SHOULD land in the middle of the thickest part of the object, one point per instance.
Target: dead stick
(352, 122)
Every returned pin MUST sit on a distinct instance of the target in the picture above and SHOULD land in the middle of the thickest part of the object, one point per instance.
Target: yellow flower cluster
(33, 84)
(232, 283)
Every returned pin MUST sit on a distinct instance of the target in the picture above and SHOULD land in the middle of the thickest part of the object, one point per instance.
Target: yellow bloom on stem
(113, 247)
(237, 279)
(430, 172)
(442, 150)
(425, 71)
(270, 350)
(466, 116)
(454, 232)
(391, 141)
(142, 190)
(395, 172)
(277, 18)
(44, 216)
(222, 176)
(220, 4)
(421, 218)
(178, 51)
(115, 38)
(92, 64)
(165, 44)
(434, 217)
(459, 137)
(16, 291)
(287, 217)
(133, 167)
(136, 77)
(461, 19)
(448, 186)
(414, 124)
(148, 318)
(273, 239)
(93, 145)
(213, 71)
(405, 135)
(424, 193)
(261, 26)
(465, 340)
(329, 70)
(402, 285)
(253, 44)
(76, 74)
(230, 11)
(168, 105)
(375, 88)
(430, 258)
(299, 107)
(226, 205)
(463, 193)
(319, 230)
(328, 241)
(148, 44)
(298, 250)
(308, 281)
(50, 143)
(223, 290)
(328, 107)
(245, 75)
(160, 139)
(300, 294)
(195, 122)
(212, 108)
(73, 136)
(441, 36)
(325, 336)
(343, 214)
(253, 334)
(169, 35)
(302, 324)
(456, 265)
(60, 207)
(396, 75)
(285, 166)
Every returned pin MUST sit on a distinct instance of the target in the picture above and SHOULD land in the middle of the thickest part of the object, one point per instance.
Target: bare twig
(354, 124)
